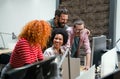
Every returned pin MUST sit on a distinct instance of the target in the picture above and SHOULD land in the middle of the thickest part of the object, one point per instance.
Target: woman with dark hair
(59, 38)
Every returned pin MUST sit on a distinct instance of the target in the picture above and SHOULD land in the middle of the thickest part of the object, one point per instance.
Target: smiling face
(78, 29)
(58, 41)
(62, 20)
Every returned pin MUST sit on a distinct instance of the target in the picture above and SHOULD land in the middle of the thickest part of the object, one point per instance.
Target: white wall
(14, 14)
(118, 23)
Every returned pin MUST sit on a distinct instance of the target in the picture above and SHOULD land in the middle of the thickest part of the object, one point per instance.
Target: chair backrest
(30, 71)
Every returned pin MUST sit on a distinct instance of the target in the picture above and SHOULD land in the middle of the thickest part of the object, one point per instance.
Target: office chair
(30, 71)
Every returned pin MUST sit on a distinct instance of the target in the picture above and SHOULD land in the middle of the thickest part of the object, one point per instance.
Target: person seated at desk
(31, 41)
(59, 38)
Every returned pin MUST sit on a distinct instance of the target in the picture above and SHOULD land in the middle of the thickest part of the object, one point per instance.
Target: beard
(61, 25)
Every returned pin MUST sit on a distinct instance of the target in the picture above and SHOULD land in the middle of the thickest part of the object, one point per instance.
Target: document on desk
(90, 74)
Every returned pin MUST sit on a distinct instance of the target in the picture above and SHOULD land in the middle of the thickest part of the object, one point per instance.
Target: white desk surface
(89, 74)
(4, 51)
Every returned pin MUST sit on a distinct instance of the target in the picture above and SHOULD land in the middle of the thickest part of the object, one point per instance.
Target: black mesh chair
(31, 71)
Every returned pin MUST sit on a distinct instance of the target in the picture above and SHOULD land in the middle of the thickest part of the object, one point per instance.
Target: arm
(40, 54)
(70, 35)
(88, 58)
(87, 31)
(21, 54)
(23, 50)
(87, 51)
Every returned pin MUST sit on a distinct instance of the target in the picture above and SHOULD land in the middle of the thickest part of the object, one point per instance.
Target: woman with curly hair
(31, 41)
(59, 38)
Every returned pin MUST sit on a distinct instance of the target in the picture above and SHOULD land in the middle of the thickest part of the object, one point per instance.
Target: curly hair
(37, 32)
(62, 32)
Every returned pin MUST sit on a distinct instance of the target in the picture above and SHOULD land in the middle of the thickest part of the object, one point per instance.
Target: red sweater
(23, 54)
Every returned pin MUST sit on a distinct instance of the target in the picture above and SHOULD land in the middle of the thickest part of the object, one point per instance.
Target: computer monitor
(30, 71)
(98, 48)
(114, 75)
(109, 62)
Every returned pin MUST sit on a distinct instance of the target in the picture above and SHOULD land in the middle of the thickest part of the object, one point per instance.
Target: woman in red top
(31, 41)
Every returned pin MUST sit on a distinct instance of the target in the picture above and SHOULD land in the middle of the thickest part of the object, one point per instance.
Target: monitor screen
(98, 48)
(109, 62)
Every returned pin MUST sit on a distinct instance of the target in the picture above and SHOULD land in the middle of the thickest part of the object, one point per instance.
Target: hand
(87, 31)
(86, 68)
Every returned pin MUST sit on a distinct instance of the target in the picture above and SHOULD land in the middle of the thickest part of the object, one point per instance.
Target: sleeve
(48, 52)
(40, 54)
(69, 37)
(87, 43)
(23, 50)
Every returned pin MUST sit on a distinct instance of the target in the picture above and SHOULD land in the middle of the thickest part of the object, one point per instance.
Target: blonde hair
(37, 32)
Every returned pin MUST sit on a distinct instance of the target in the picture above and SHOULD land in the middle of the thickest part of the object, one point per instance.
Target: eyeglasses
(78, 30)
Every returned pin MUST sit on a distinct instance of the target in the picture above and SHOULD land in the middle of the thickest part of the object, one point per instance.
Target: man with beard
(60, 19)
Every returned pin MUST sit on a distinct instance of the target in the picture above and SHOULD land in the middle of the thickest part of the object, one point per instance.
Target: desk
(5, 51)
(89, 74)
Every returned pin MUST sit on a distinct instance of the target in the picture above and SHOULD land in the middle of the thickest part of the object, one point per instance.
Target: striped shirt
(23, 54)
